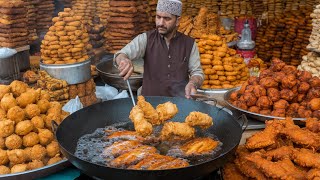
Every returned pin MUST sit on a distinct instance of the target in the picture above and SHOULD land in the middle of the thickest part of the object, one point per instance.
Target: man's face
(166, 23)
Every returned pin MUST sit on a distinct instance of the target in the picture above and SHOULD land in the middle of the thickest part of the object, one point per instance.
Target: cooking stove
(216, 175)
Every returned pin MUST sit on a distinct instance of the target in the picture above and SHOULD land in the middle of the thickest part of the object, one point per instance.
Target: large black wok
(87, 120)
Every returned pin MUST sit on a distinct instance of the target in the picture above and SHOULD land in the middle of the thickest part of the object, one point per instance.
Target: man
(171, 59)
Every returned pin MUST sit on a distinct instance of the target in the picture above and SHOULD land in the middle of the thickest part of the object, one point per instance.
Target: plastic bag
(123, 94)
(7, 52)
(73, 105)
(106, 92)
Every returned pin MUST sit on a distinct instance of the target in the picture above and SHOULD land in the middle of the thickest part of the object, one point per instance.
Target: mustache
(161, 27)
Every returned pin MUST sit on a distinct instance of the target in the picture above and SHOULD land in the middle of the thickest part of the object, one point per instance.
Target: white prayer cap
(170, 6)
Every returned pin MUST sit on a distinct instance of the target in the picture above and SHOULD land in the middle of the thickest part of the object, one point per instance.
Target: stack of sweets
(85, 91)
(257, 8)
(67, 41)
(153, 10)
(96, 31)
(67, 3)
(86, 9)
(144, 24)
(315, 35)
(13, 24)
(103, 11)
(32, 19)
(45, 12)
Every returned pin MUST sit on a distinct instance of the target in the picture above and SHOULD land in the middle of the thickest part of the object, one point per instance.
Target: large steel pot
(72, 73)
(110, 75)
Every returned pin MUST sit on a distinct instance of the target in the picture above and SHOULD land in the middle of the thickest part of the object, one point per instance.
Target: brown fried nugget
(4, 170)
(16, 114)
(54, 160)
(17, 156)
(8, 101)
(43, 105)
(32, 110)
(45, 95)
(4, 90)
(13, 142)
(45, 136)
(38, 152)
(6, 128)
(3, 157)
(26, 98)
(38, 122)
(19, 168)
(24, 127)
(30, 139)
(18, 87)
(53, 149)
(35, 164)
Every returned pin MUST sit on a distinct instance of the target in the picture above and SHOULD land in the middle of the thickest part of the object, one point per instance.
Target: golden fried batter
(53, 149)
(18, 87)
(30, 139)
(2, 143)
(3, 113)
(166, 111)
(43, 105)
(149, 112)
(174, 164)
(38, 152)
(141, 125)
(24, 127)
(199, 146)
(26, 98)
(3, 157)
(173, 130)
(122, 147)
(6, 128)
(4, 170)
(32, 110)
(45, 136)
(199, 119)
(16, 114)
(37, 122)
(151, 162)
(13, 142)
(230, 171)
(4, 90)
(35, 164)
(17, 156)
(19, 168)
(54, 160)
(8, 101)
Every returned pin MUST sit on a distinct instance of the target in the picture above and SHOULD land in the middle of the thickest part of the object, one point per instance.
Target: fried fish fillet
(231, 172)
(279, 153)
(121, 147)
(150, 114)
(166, 111)
(126, 135)
(177, 163)
(141, 125)
(306, 158)
(151, 162)
(173, 130)
(134, 156)
(199, 119)
(199, 146)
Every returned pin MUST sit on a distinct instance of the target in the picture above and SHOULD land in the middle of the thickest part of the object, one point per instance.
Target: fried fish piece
(231, 172)
(199, 119)
(306, 158)
(149, 112)
(133, 157)
(166, 111)
(173, 130)
(122, 147)
(199, 146)
(313, 125)
(141, 125)
(176, 163)
(279, 153)
(152, 162)
(125, 135)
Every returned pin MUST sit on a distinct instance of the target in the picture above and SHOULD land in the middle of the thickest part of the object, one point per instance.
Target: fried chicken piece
(289, 81)
(303, 87)
(152, 162)
(278, 113)
(314, 104)
(281, 104)
(265, 138)
(231, 172)
(133, 157)
(249, 98)
(304, 76)
(302, 136)
(313, 174)
(303, 112)
(279, 153)
(273, 94)
(246, 167)
(243, 88)
(306, 158)
(283, 169)
(265, 111)
(141, 125)
(293, 109)
(8, 102)
(200, 119)
(199, 146)
(254, 109)
(314, 82)
(313, 124)
(150, 114)
(300, 98)
(287, 94)
(176, 163)
(259, 91)
(18, 87)
(288, 69)
(173, 130)
(121, 147)
(277, 64)
(166, 111)
(278, 76)
(264, 102)
(125, 135)
(253, 80)
(240, 104)
(234, 96)
(266, 73)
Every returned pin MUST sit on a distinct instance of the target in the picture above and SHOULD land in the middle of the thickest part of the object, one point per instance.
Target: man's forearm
(196, 81)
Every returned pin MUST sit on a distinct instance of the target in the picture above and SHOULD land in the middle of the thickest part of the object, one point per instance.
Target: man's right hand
(125, 66)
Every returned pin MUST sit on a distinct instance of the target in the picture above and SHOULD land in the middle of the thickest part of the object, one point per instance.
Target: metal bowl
(72, 73)
(110, 75)
(38, 173)
(256, 116)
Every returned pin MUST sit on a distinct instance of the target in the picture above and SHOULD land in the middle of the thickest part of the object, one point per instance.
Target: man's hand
(125, 66)
(190, 89)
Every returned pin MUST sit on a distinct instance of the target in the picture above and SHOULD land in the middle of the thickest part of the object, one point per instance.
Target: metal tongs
(128, 84)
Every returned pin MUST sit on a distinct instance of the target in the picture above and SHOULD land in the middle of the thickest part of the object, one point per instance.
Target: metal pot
(109, 75)
(72, 73)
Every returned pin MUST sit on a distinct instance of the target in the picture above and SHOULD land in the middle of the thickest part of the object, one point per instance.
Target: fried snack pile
(280, 91)
(311, 63)
(45, 13)
(286, 37)
(151, 10)
(103, 11)
(96, 31)
(235, 8)
(32, 19)
(86, 9)
(314, 39)
(282, 151)
(26, 139)
(222, 68)
(192, 7)
(67, 40)
(13, 24)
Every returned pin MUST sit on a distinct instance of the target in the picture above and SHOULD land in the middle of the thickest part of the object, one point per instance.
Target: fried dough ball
(264, 102)
(2, 143)
(265, 112)
(24, 127)
(19, 168)
(3, 157)
(314, 104)
(253, 80)
(18, 87)
(13, 142)
(53, 149)
(4, 170)
(259, 91)
(254, 109)
(35, 164)
(43, 105)
(27, 152)
(292, 110)
(4, 90)
(32, 110)
(28, 97)
(8, 101)
(250, 99)
(30, 139)
(303, 112)
(281, 104)
(54, 160)
(268, 82)
(273, 94)
(3, 113)
(17, 156)
(52, 117)
(304, 76)
(279, 113)
(287, 94)
(314, 82)
(303, 87)
(37, 122)
(277, 64)
(38, 152)
(16, 114)
(289, 81)
(6, 128)
(278, 76)
(45, 136)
